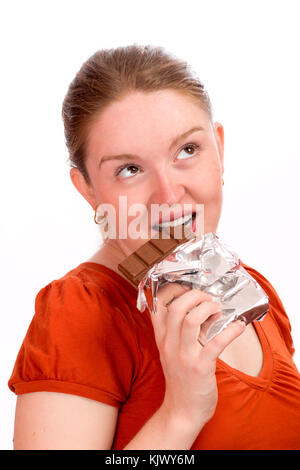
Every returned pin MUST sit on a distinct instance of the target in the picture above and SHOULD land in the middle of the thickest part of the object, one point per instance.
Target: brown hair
(108, 75)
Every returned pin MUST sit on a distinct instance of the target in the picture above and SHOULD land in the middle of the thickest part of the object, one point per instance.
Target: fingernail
(240, 322)
(185, 287)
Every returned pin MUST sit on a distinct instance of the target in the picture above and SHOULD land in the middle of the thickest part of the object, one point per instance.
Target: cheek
(126, 212)
(212, 200)
(206, 188)
(206, 182)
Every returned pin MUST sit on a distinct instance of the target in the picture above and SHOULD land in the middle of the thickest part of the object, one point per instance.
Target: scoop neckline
(263, 380)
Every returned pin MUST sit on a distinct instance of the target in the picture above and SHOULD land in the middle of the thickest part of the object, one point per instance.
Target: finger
(215, 346)
(179, 309)
(194, 321)
(165, 295)
(170, 291)
(206, 326)
(189, 300)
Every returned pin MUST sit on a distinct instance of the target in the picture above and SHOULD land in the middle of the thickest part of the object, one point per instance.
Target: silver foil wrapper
(211, 266)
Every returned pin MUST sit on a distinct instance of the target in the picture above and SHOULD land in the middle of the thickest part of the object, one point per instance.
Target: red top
(87, 338)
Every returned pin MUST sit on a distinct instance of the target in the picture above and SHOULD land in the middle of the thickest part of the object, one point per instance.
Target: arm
(59, 421)
(50, 420)
(165, 431)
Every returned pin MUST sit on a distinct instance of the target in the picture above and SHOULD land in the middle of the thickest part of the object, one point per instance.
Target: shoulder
(277, 310)
(84, 287)
(71, 298)
(80, 341)
(84, 302)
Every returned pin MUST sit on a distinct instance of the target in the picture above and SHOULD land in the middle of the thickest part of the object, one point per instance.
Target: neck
(111, 254)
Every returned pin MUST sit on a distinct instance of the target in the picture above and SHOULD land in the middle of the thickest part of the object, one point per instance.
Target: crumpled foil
(211, 266)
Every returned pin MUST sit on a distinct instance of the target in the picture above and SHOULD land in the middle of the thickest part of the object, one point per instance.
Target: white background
(247, 55)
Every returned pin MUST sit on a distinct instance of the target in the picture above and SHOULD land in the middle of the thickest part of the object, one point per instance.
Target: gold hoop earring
(222, 181)
(102, 221)
(99, 220)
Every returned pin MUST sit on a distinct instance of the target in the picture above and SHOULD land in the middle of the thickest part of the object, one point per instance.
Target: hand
(189, 367)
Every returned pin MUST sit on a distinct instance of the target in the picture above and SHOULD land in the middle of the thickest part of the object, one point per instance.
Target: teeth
(174, 223)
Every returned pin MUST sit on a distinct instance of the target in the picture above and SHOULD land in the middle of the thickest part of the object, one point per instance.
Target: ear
(219, 134)
(82, 187)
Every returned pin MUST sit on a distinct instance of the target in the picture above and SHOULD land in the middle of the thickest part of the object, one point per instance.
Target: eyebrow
(131, 156)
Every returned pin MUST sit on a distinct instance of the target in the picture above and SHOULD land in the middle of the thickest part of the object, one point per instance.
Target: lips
(183, 218)
(172, 215)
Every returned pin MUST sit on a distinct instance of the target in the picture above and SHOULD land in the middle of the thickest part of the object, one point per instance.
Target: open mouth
(187, 220)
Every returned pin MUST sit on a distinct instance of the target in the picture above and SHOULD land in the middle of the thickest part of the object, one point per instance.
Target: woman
(95, 373)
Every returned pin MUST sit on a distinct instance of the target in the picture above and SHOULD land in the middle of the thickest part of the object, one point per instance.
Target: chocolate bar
(136, 265)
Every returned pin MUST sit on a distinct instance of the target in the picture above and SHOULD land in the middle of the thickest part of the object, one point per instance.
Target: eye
(190, 151)
(127, 170)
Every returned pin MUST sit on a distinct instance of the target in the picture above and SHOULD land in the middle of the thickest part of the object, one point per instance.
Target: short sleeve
(277, 310)
(78, 342)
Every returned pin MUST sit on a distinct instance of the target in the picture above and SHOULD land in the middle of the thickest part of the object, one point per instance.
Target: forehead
(142, 118)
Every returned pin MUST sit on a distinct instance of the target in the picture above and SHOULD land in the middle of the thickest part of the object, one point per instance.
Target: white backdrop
(247, 55)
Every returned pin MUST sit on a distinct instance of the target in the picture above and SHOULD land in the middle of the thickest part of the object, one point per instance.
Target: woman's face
(155, 148)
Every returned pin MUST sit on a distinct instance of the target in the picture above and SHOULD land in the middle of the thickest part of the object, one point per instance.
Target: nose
(167, 189)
